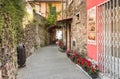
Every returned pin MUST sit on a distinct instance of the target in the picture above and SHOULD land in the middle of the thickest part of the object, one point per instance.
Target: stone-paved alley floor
(49, 63)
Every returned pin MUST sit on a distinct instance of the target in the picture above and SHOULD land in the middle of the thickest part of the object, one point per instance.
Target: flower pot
(94, 76)
(84, 69)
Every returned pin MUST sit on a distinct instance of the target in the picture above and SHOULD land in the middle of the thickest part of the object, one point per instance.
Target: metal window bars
(108, 19)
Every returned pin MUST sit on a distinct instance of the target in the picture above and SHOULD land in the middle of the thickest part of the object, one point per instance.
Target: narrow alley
(87, 30)
(49, 63)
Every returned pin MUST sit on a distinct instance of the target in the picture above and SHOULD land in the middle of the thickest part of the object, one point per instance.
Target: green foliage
(11, 12)
(52, 15)
(11, 15)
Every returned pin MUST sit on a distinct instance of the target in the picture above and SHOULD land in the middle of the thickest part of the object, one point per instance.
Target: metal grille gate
(109, 38)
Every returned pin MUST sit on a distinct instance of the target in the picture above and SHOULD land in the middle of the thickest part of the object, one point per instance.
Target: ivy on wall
(11, 15)
(11, 12)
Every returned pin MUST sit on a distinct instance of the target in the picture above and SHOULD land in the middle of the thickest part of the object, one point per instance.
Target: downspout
(66, 24)
(62, 17)
(62, 8)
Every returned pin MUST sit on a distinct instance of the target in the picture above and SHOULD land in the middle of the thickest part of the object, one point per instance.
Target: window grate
(109, 38)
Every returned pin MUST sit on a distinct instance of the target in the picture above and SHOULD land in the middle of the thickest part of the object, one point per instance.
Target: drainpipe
(62, 8)
(66, 24)
(62, 17)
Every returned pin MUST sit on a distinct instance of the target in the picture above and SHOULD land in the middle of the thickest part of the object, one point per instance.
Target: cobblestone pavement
(49, 63)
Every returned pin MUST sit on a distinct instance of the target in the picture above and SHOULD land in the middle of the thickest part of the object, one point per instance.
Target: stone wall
(12, 32)
(77, 11)
(35, 34)
(79, 31)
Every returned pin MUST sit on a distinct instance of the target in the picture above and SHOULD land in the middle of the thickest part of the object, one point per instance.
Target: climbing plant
(11, 15)
(11, 12)
(52, 15)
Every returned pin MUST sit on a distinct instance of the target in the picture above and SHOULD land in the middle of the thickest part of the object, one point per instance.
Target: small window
(70, 1)
(77, 16)
(74, 43)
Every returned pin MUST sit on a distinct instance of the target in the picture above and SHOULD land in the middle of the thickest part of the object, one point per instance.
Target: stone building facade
(75, 30)
(42, 7)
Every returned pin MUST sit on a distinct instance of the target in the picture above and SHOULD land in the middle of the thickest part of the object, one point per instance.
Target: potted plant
(74, 57)
(61, 46)
(86, 65)
(93, 72)
(69, 53)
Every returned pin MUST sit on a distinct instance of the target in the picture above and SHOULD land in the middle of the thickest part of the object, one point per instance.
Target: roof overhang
(37, 2)
(53, 27)
(65, 20)
(46, 1)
